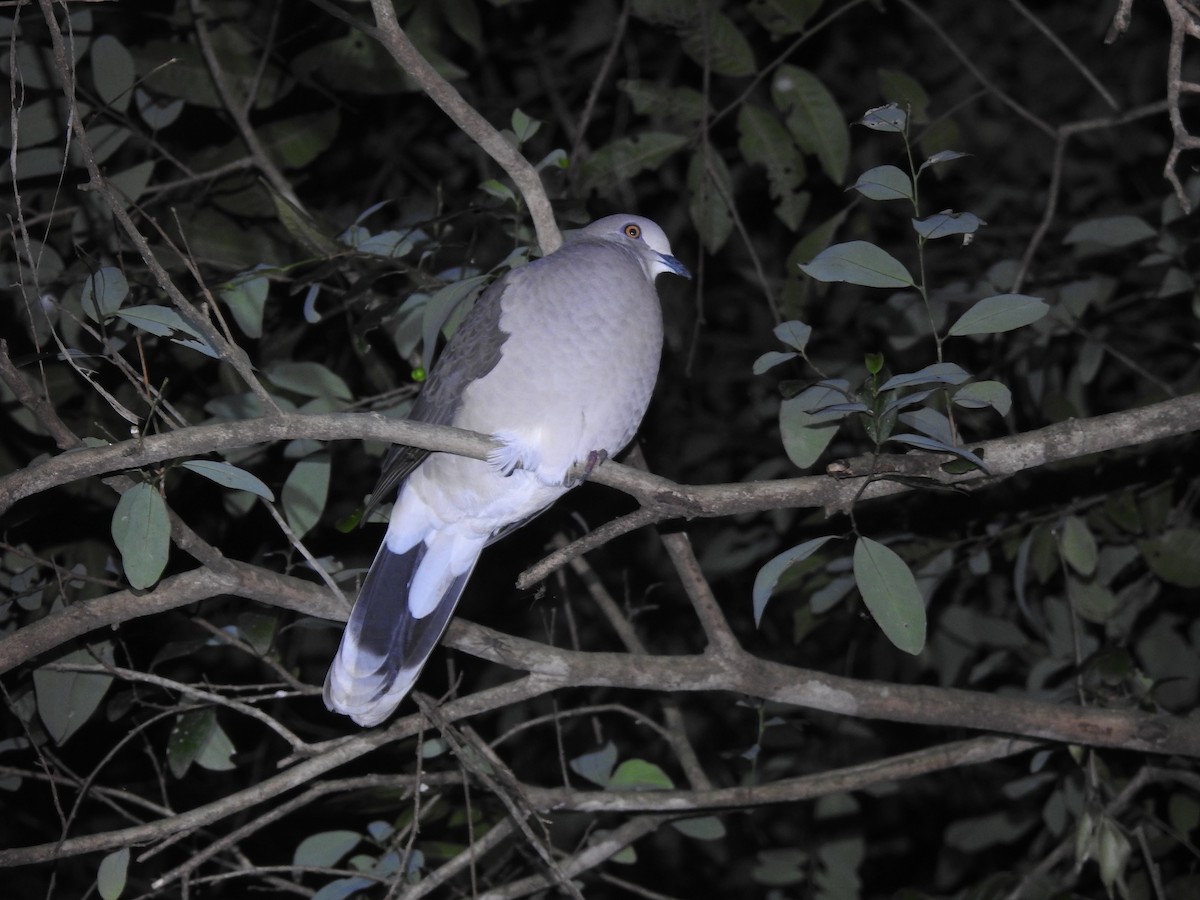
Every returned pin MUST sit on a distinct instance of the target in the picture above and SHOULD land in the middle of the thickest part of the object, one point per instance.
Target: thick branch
(440, 91)
(1005, 457)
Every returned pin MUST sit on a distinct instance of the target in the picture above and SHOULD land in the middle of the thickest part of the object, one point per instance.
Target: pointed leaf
(935, 373)
(770, 359)
(216, 754)
(890, 592)
(931, 422)
(309, 379)
(888, 118)
(103, 292)
(981, 394)
(705, 828)
(624, 158)
(1174, 556)
(947, 223)
(885, 183)
(246, 296)
(769, 575)
(783, 17)
(794, 333)
(110, 878)
(65, 700)
(1078, 546)
(658, 101)
(229, 476)
(1113, 231)
(940, 157)
(715, 41)
(806, 434)
(934, 446)
(858, 262)
(325, 849)
(1003, 312)
(597, 766)
(305, 492)
(814, 118)
(765, 142)
(141, 530)
(639, 775)
(709, 183)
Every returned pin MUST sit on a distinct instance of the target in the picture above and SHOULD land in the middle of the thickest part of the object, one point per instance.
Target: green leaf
(779, 867)
(446, 307)
(597, 766)
(935, 373)
(858, 262)
(619, 161)
(708, 186)
(216, 754)
(813, 117)
(794, 333)
(325, 849)
(230, 476)
(110, 878)
(705, 828)
(769, 575)
(770, 359)
(524, 126)
(343, 888)
(783, 17)
(658, 101)
(103, 292)
(1078, 546)
(889, 118)
(890, 592)
(305, 492)
(714, 40)
(310, 379)
(940, 157)
(246, 297)
(946, 224)
(806, 434)
(1174, 556)
(257, 630)
(112, 72)
(1093, 602)
(906, 92)
(141, 530)
(1113, 231)
(65, 700)
(884, 183)
(981, 394)
(188, 737)
(1003, 312)
(935, 446)
(131, 183)
(639, 775)
(763, 141)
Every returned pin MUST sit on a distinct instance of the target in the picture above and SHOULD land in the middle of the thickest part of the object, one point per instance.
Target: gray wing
(471, 353)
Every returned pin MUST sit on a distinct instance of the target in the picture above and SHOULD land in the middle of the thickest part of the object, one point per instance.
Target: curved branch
(443, 93)
(1005, 457)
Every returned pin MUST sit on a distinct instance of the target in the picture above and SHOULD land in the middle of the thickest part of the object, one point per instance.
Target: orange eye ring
(633, 230)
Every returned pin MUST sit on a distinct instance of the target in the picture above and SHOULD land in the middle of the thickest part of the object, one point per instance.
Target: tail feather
(384, 646)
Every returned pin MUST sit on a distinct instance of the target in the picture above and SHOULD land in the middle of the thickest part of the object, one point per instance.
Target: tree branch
(1004, 456)
(473, 125)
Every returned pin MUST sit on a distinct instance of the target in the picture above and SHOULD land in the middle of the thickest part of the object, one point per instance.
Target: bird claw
(594, 458)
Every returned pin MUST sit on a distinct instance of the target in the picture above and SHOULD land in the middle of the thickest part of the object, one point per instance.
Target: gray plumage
(557, 361)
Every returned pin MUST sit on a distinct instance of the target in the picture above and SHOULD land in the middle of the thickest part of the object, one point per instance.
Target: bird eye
(633, 231)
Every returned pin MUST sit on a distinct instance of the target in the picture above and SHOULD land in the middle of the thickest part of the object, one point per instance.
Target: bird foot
(594, 458)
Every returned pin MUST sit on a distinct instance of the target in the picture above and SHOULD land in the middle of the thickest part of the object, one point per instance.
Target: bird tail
(384, 646)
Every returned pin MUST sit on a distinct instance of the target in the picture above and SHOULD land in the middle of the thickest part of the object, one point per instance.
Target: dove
(556, 361)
